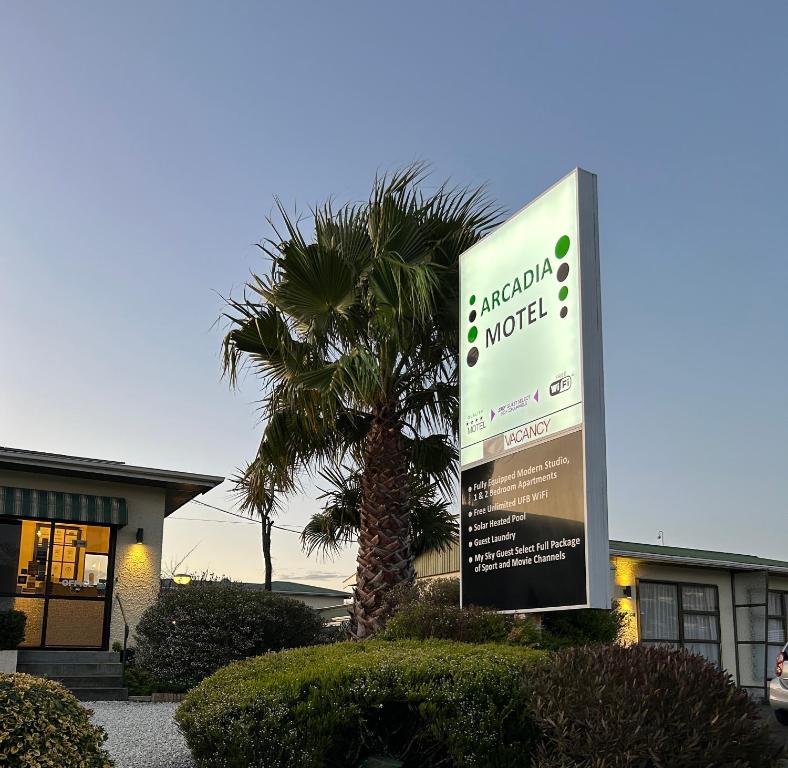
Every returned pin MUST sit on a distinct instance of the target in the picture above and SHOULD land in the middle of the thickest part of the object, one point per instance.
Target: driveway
(141, 735)
(779, 732)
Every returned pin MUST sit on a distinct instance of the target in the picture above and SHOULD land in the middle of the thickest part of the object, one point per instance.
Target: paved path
(141, 735)
(779, 732)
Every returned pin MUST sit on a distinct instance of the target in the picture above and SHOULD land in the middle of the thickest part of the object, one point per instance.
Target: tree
(354, 334)
(433, 526)
(255, 488)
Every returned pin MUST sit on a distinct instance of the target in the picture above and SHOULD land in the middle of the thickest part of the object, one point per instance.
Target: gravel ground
(778, 731)
(141, 735)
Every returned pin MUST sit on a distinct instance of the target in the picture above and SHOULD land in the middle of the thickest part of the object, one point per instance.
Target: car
(778, 688)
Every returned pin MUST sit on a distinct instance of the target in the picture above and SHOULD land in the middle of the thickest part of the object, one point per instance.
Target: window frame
(681, 641)
(783, 617)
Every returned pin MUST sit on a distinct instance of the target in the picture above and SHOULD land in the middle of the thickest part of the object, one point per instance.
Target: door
(58, 574)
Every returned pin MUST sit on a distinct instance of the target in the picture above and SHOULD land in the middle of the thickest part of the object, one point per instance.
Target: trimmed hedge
(643, 707)
(452, 705)
(431, 609)
(12, 629)
(192, 631)
(427, 704)
(42, 725)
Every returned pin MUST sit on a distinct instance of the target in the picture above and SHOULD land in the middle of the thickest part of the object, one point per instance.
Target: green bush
(642, 707)
(12, 629)
(427, 704)
(588, 626)
(42, 725)
(192, 631)
(423, 621)
(140, 682)
(431, 609)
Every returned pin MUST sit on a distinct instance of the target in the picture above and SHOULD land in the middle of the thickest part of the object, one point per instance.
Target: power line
(235, 514)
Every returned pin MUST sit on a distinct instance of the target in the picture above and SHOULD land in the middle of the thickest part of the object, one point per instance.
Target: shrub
(632, 707)
(432, 609)
(427, 704)
(12, 629)
(42, 725)
(422, 621)
(589, 626)
(192, 631)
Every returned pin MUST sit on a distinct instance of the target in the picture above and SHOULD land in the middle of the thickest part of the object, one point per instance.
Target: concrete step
(53, 669)
(101, 694)
(68, 657)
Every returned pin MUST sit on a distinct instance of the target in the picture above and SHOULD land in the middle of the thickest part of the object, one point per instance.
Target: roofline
(707, 562)
(313, 594)
(108, 469)
(181, 486)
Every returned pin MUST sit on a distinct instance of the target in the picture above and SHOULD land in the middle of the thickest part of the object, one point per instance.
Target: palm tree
(355, 336)
(255, 488)
(433, 526)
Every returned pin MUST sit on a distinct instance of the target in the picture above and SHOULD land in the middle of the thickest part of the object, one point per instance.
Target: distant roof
(284, 588)
(180, 487)
(294, 588)
(688, 556)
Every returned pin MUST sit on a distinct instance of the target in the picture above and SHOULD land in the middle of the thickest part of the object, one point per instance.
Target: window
(681, 616)
(777, 629)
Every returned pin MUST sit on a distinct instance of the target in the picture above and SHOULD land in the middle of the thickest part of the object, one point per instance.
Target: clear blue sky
(142, 144)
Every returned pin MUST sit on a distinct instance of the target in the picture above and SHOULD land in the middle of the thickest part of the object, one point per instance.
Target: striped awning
(68, 507)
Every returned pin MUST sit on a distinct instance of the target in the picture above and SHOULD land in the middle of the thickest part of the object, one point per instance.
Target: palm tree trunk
(267, 524)
(384, 549)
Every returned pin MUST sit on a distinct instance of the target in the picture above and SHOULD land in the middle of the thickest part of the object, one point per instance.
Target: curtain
(659, 613)
(694, 598)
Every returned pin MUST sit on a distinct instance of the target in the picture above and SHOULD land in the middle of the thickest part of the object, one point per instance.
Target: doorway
(60, 576)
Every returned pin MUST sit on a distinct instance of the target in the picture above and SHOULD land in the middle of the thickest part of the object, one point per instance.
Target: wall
(137, 566)
(628, 571)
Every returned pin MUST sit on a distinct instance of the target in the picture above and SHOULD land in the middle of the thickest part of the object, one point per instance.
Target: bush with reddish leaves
(643, 707)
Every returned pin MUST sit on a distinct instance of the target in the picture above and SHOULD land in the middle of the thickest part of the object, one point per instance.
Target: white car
(778, 688)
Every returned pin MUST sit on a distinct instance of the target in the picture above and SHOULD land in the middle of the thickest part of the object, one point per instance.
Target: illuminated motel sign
(532, 428)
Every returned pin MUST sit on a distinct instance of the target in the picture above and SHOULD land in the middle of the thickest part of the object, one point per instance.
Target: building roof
(702, 557)
(295, 588)
(180, 487)
(285, 588)
(448, 561)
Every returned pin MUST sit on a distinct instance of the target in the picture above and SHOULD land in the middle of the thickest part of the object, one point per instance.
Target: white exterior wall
(692, 575)
(137, 566)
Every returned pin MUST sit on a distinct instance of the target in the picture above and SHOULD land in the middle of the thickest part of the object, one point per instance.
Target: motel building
(80, 556)
(731, 609)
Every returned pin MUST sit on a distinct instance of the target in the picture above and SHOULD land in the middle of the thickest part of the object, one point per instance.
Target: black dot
(563, 272)
(564, 310)
(473, 356)
(472, 316)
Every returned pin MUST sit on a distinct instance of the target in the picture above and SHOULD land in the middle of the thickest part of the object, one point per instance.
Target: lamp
(140, 536)
(626, 591)
(182, 578)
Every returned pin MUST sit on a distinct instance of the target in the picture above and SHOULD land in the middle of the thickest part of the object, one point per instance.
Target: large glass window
(41, 561)
(681, 616)
(777, 630)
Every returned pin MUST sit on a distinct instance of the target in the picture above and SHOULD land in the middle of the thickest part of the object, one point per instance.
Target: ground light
(182, 578)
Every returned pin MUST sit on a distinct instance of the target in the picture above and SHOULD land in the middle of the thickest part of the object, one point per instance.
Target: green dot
(563, 293)
(473, 333)
(562, 247)
(473, 299)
